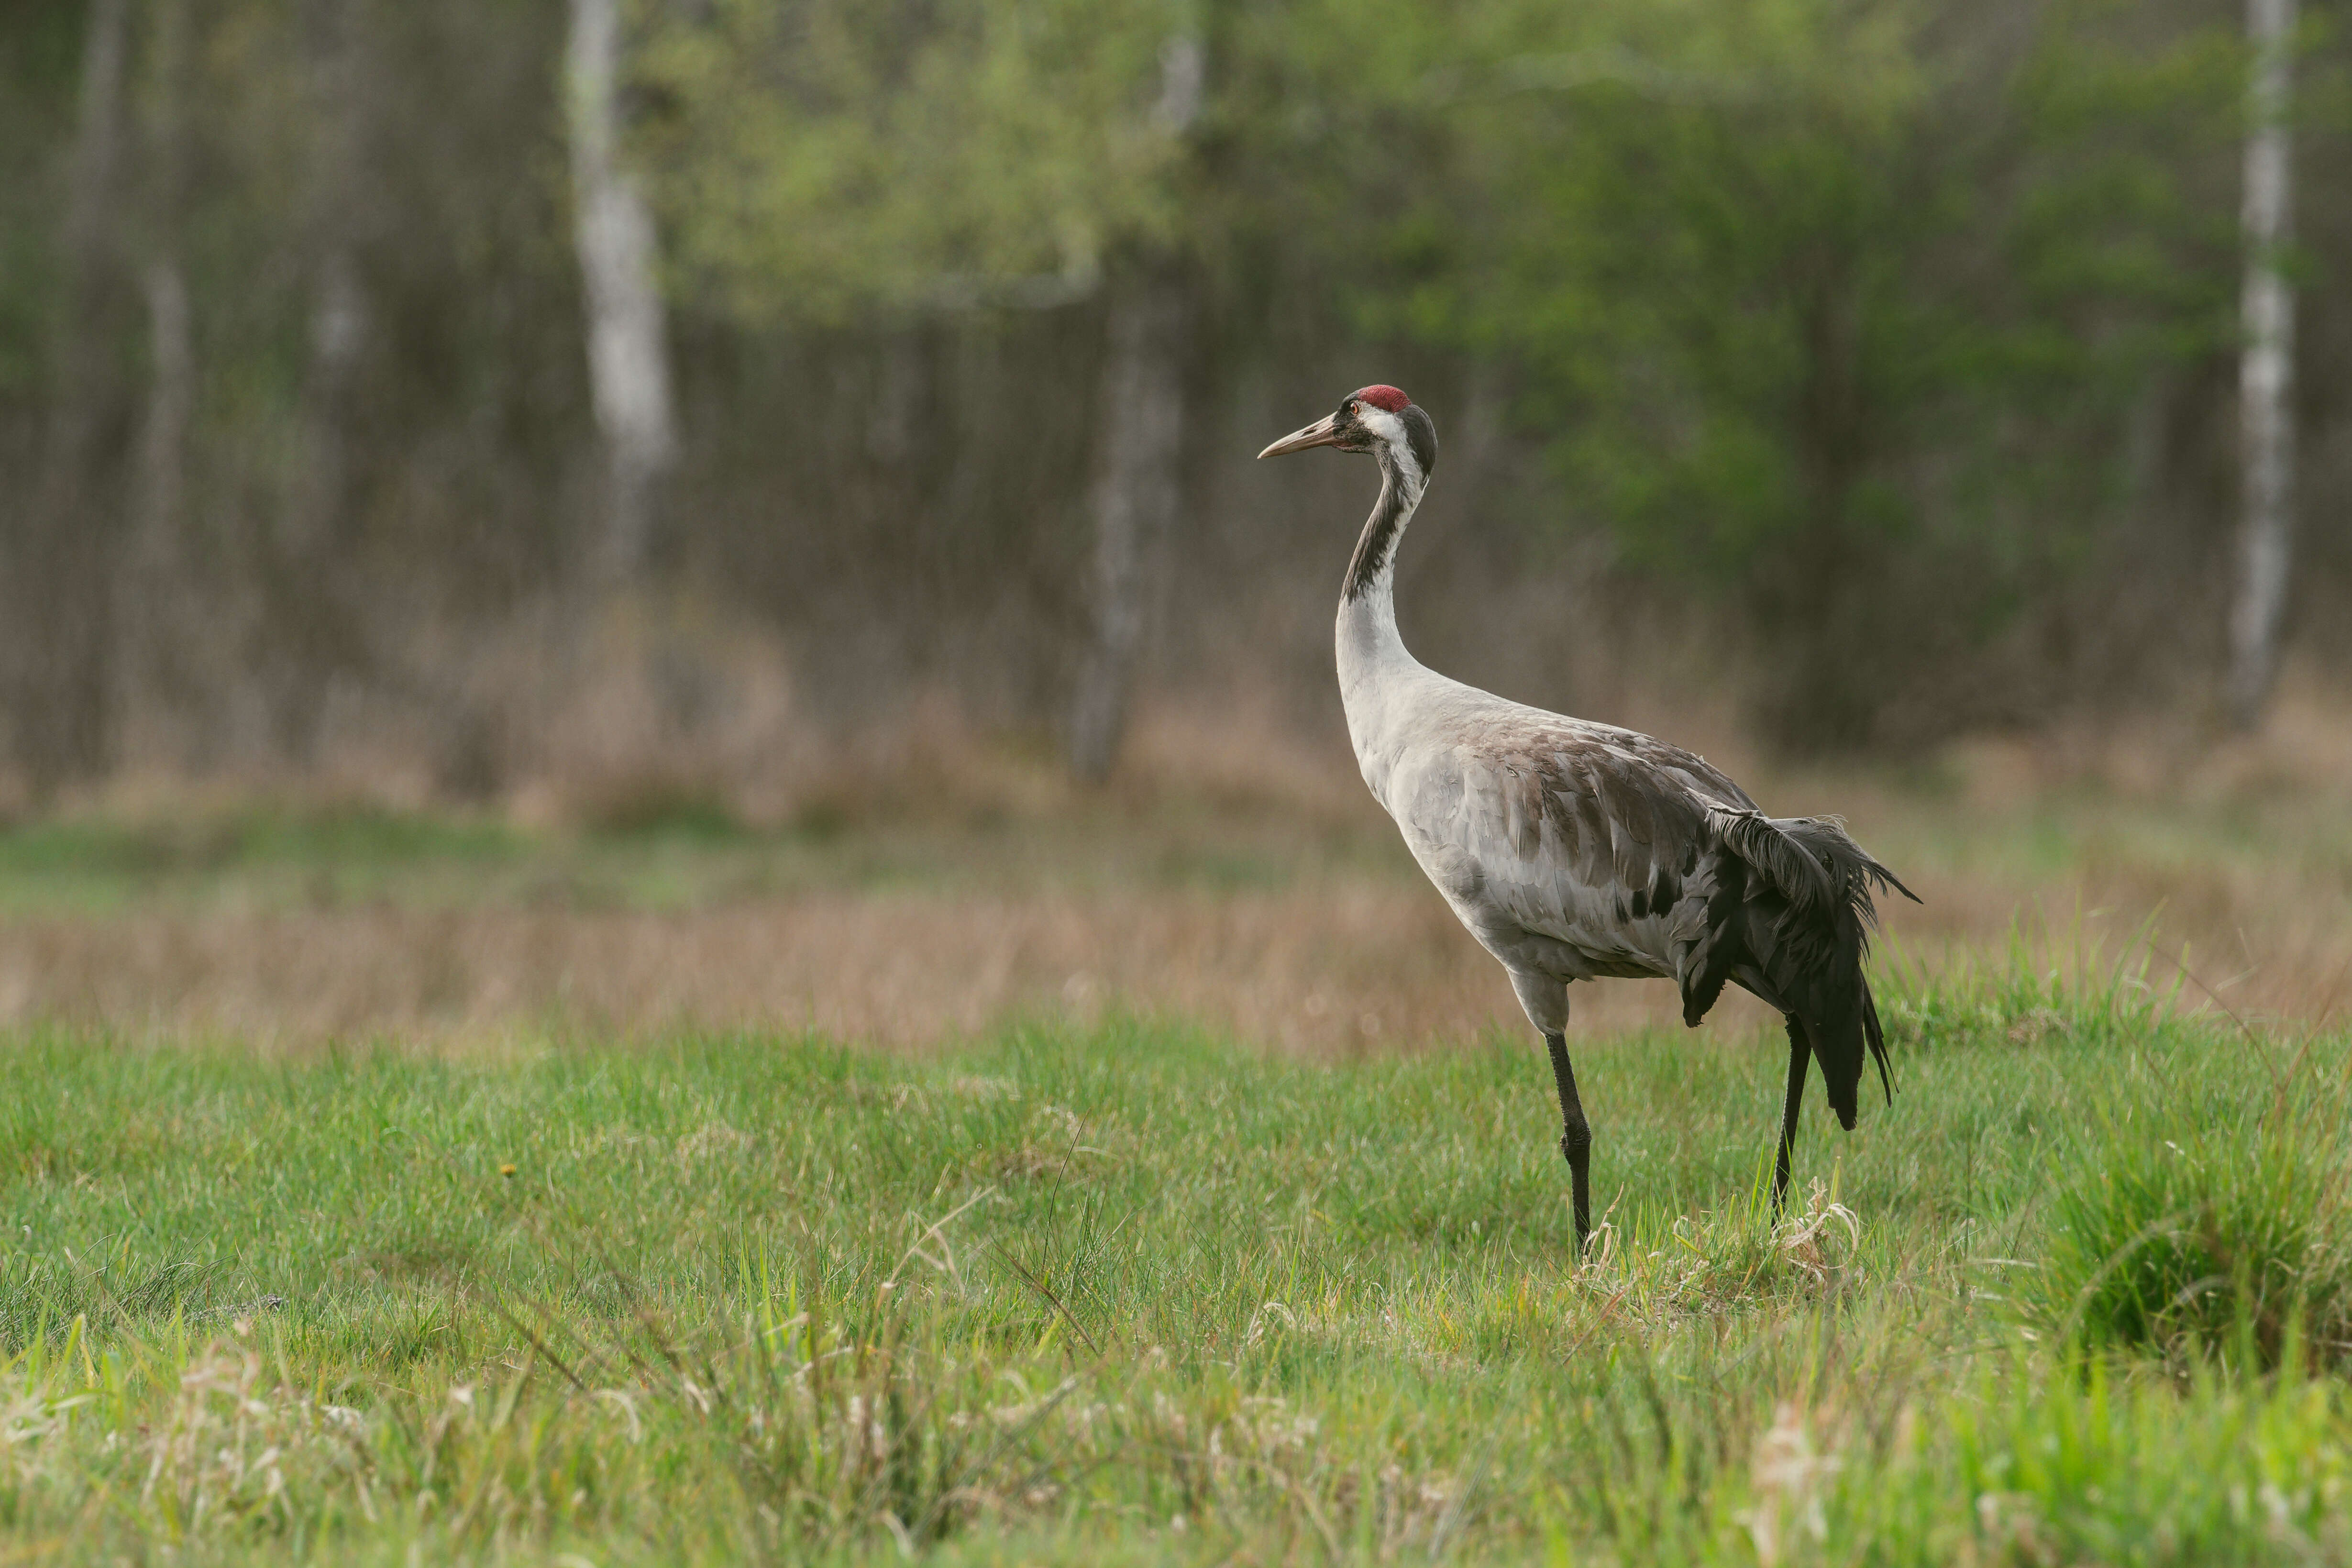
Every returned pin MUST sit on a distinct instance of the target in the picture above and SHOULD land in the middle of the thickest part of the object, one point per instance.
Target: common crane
(1573, 850)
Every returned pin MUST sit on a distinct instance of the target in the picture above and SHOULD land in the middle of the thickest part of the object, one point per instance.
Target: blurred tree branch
(61, 567)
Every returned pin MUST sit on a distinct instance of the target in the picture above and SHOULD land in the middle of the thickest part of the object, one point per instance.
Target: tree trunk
(2265, 368)
(1136, 494)
(154, 610)
(316, 633)
(158, 556)
(1138, 474)
(1822, 695)
(163, 446)
(63, 556)
(628, 362)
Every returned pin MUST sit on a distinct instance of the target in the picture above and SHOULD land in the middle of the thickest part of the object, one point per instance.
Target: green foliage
(821, 158)
(1892, 324)
(37, 60)
(1844, 312)
(1843, 309)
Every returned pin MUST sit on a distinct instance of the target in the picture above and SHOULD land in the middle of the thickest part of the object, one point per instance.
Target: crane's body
(1535, 826)
(1574, 850)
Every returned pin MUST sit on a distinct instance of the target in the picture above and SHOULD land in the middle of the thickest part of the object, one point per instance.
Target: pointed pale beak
(1324, 432)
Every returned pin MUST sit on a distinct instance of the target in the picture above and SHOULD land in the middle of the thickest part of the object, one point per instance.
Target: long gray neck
(1368, 627)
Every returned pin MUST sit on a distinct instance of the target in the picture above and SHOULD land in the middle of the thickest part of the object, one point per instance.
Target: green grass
(1135, 1294)
(659, 856)
(666, 853)
(2230, 1243)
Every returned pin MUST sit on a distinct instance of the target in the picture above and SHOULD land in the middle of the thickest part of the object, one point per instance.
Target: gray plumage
(1574, 850)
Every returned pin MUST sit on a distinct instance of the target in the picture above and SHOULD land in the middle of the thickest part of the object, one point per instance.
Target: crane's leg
(1575, 1137)
(1800, 1054)
(1545, 998)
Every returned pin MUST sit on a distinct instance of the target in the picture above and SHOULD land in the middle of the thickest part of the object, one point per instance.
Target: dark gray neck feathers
(1405, 469)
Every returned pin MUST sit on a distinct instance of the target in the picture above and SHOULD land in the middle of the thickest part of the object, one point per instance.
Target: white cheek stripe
(1389, 428)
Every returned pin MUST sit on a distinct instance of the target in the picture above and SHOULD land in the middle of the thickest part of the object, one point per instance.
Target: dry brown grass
(1322, 969)
(2237, 857)
(1353, 965)
(1338, 969)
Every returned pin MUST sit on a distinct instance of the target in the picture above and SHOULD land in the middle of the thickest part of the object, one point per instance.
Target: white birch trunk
(2265, 367)
(628, 362)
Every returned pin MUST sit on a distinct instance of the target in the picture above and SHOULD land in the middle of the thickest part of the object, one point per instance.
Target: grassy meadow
(1147, 1180)
(1134, 1292)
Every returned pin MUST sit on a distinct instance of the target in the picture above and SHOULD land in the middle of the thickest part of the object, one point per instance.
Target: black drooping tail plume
(1820, 953)
(1790, 919)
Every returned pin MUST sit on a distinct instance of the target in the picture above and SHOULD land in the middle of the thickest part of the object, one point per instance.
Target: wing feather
(1612, 844)
(1573, 850)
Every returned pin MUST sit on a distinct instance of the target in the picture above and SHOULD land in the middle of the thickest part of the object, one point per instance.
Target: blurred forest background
(616, 510)
(584, 403)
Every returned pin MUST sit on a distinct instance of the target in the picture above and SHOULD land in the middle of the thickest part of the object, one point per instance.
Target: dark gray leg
(1575, 1137)
(1799, 1054)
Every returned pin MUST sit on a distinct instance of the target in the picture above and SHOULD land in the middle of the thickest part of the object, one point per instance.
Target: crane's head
(1377, 419)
